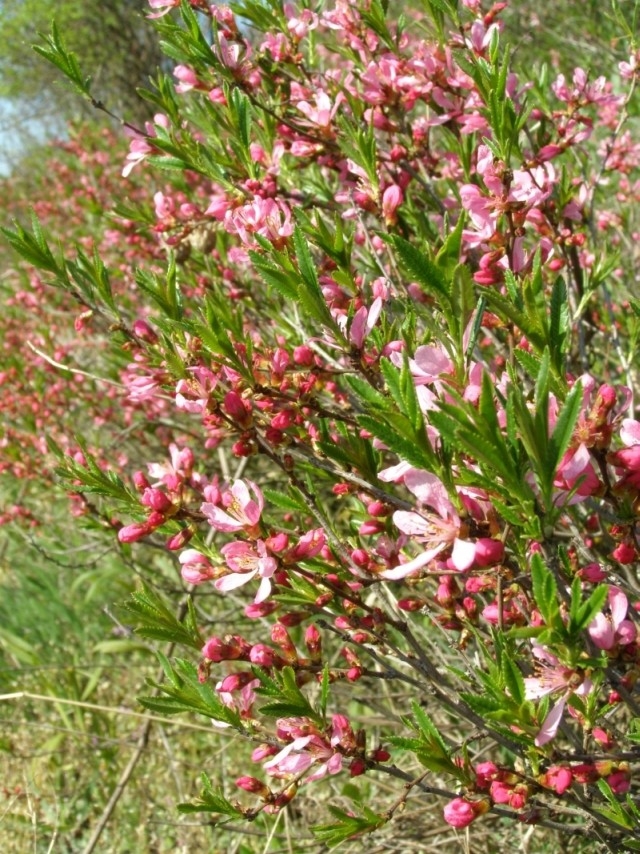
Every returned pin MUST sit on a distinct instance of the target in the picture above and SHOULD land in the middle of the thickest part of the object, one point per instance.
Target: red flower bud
(255, 786)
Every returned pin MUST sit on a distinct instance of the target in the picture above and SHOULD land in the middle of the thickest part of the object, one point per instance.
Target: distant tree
(114, 44)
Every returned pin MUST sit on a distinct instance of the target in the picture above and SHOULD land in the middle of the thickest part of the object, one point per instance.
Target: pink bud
(264, 656)
(280, 636)
(237, 409)
(260, 610)
(156, 499)
(235, 682)
(411, 604)
(313, 642)
(179, 540)
(592, 573)
(459, 813)
(140, 481)
(277, 543)
(391, 200)
(620, 782)
(155, 520)
(303, 356)
(377, 508)
(559, 778)
(253, 785)
(486, 773)
(263, 751)
(143, 331)
(132, 533)
(357, 767)
(624, 553)
(488, 552)
(370, 527)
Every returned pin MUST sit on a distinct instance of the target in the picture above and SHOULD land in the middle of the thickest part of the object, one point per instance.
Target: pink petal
(463, 554)
(233, 580)
(263, 591)
(549, 728)
(601, 632)
(619, 604)
(630, 432)
(220, 520)
(405, 569)
(411, 523)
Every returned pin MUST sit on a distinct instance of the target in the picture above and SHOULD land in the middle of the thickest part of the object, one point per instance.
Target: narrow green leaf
(545, 591)
(422, 269)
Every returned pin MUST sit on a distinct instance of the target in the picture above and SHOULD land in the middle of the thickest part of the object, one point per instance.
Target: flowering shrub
(394, 350)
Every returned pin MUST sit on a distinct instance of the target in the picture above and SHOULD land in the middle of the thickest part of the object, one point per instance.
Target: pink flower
(437, 532)
(323, 112)
(576, 474)
(609, 631)
(553, 677)
(301, 754)
(173, 474)
(244, 503)
(363, 322)
(187, 78)
(246, 561)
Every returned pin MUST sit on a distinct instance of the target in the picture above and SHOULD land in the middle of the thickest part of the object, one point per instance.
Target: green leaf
(310, 294)
(545, 592)
(55, 52)
(422, 269)
(155, 620)
(186, 693)
(212, 801)
(587, 610)
(563, 430)
(406, 448)
(347, 826)
(290, 702)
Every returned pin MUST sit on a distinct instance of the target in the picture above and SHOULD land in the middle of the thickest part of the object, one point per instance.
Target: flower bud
(255, 786)
(460, 812)
(179, 540)
(489, 552)
(134, 532)
(624, 553)
(143, 331)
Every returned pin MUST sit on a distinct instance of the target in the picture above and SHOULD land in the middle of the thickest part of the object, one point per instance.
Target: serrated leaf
(406, 449)
(211, 800)
(545, 592)
(156, 620)
(422, 269)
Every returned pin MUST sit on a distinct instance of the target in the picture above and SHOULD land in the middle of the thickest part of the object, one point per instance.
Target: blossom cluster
(377, 337)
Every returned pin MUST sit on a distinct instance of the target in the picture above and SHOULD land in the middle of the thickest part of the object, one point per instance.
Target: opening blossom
(243, 505)
(438, 531)
(246, 561)
(553, 676)
(609, 631)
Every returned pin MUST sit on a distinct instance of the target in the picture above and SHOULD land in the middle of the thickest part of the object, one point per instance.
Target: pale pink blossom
(246, 561)
(553, 676)
(437, 532)
(243, 505)
(363, 322)
(608, 631)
